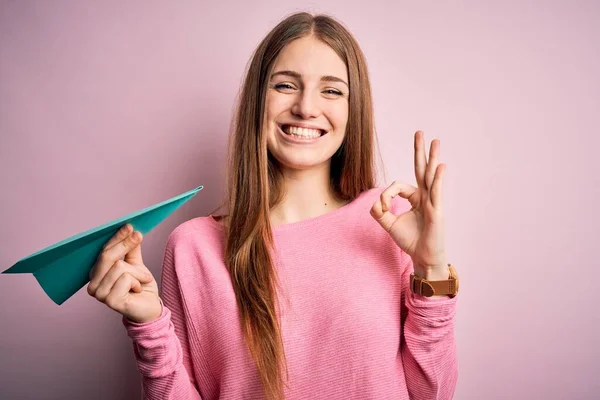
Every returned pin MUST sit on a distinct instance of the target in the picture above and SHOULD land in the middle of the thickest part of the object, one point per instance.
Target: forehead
(311, 58)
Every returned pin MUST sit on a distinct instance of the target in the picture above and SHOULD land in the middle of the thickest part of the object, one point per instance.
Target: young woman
(303, 290)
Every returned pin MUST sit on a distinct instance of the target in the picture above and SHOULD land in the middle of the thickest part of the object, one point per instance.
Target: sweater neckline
(305, 222)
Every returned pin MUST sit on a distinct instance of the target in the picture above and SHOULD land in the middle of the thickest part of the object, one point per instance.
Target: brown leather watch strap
(427, 288)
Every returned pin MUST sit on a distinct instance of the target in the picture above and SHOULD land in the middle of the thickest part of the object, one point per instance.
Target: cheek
(275, 104)
(339, 116)
(268, 107)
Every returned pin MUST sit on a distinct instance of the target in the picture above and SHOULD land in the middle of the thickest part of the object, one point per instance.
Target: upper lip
(302, 125)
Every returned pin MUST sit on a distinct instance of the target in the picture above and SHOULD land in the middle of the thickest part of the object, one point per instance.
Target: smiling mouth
(303, 133)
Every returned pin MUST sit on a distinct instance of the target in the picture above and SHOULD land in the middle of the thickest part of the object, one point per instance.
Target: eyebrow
(326, 78)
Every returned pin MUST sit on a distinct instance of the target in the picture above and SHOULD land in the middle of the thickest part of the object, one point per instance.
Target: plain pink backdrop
(107, 107)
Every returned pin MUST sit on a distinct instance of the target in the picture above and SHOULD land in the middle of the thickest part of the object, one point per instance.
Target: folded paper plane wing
(63, 268)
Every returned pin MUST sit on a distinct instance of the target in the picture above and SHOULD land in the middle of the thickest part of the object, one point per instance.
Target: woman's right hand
(120, 279)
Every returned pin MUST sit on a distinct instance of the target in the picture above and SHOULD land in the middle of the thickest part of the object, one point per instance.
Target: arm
(428, 347)
(161, 347)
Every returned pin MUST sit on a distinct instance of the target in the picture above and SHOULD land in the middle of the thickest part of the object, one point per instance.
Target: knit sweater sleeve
(161, 347)
(428, 347)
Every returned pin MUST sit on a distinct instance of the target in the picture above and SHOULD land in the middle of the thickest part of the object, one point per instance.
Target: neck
(308, 194)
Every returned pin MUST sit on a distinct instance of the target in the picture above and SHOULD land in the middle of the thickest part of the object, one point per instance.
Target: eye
(284, 87)
(332, 93)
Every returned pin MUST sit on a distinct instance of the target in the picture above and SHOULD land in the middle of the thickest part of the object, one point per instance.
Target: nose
(306, 105)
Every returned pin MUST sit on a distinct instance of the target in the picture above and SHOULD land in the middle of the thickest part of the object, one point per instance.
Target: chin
(297, 166)
(301, 162)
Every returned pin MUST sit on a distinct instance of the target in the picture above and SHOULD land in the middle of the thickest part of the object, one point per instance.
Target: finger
(380, 210)
(120, 249)
(107, 285)
(108, 257)
(99, 286)
(434, 152)
(436, 188)
(125, 284)
(134, 256)
(119, 236)
(102, 287)
(420, 160)
(396, 188)
(385, 219)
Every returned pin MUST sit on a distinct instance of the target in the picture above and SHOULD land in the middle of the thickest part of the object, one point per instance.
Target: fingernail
(135, 236)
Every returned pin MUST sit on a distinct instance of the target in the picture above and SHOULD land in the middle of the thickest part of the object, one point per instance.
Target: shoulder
(192, 231)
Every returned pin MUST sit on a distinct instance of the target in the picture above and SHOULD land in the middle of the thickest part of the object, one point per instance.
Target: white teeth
(303, 132)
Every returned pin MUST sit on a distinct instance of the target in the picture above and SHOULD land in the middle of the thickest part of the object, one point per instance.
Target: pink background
(108, 107)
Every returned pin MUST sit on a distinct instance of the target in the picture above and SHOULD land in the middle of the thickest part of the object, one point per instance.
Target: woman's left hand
(419, 231)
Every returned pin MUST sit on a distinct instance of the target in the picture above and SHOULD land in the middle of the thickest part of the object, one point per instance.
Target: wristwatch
(427, 288)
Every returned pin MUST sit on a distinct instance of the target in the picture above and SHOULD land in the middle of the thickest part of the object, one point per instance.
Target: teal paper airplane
(63, 268)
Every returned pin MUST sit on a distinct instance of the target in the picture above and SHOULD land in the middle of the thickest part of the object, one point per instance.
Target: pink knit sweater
(351, 327)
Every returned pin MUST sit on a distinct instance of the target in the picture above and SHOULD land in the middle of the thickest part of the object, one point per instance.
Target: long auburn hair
(255, 183)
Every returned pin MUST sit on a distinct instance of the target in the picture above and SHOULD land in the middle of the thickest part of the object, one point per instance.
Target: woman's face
(306, 104)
